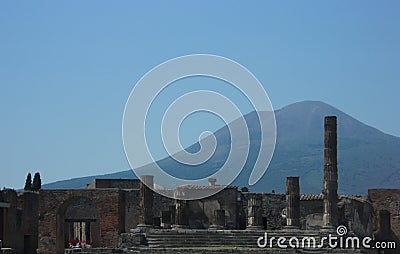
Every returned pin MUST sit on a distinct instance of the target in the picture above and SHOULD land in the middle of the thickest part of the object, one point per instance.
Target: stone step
(220, 239)
(94, 251)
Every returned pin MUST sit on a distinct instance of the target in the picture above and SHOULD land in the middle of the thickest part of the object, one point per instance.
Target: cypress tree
(37, 182)
(28, 182)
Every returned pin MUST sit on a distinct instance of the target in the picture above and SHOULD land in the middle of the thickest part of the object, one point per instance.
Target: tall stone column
(330, 217)
(254, 214)
(181, 214)
(146, 201)
(292, 202)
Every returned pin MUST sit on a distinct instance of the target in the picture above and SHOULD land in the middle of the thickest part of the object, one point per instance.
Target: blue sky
(67, 68)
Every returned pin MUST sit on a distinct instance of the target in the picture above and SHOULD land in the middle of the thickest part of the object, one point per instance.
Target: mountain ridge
(363, 151)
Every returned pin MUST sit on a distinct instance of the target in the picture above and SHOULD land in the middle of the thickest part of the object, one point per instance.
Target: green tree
(37, 182)
(28, 182)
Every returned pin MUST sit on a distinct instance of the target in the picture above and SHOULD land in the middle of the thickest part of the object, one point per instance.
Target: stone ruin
(126, 216)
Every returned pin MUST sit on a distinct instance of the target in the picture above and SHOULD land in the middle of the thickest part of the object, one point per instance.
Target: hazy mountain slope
(80, 182)
(367, 157)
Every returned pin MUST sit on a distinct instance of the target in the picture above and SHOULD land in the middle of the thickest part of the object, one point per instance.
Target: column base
(215, 227)
(328, 229)
(165, 226)
(254, 228)
(142, 228)
(177, 226)
(291, 228)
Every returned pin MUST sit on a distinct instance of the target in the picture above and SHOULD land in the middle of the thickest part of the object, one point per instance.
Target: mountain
(367, 157)
(81, 182)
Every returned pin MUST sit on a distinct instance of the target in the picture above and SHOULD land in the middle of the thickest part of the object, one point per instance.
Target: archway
(77, 222)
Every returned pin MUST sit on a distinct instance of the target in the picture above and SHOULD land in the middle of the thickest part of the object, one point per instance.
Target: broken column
(181, 214)
(146, 201)
(330, 217)
(254, 213)
(292, 202)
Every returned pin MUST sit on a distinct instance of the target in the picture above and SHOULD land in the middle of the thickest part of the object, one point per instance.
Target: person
(78, 244)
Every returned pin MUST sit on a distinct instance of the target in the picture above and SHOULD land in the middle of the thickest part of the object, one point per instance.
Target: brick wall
(386, 199)
(53, 205)
(114, 183)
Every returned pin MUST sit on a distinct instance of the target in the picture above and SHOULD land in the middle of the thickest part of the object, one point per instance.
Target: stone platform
(219, 241)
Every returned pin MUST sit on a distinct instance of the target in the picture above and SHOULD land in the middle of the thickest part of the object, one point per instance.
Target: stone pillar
(292, 202)
(146, 201)
(10, 239)
(330, 217)
(254, 214)
(181, 214)
(166, 219)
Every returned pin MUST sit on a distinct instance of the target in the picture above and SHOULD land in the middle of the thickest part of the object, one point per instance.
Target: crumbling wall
(19, 221)
(311, 211)
(272, 206)
(357, 215)
(201, 212)
(386, 199)
(114, 183)
(9, 220)
(131, 201)
(53, 205)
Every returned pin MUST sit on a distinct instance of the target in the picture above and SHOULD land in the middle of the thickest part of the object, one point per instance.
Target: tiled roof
(357, 198)
(311, 197)
(307, 197)
(205, 187)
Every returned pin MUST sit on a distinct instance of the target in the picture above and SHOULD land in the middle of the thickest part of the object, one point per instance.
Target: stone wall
(272, 206)
(53, 205)
(9, 220)
(201, 212)
(131, 204)
(19, 221)
(386, 199)
(224, 200)
(114, 183)
(356, 213)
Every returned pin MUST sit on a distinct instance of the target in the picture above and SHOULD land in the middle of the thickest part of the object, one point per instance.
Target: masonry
(59, 209)
(19, 220)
